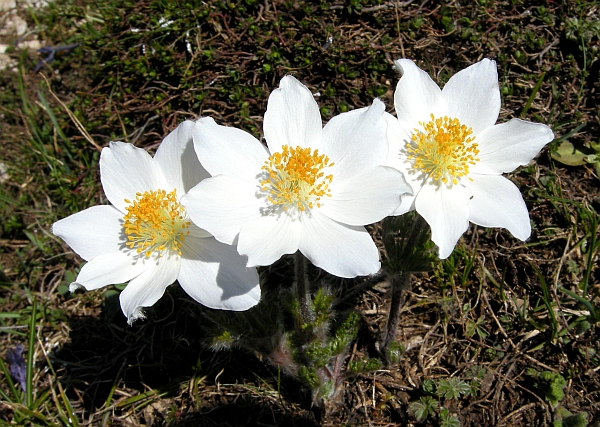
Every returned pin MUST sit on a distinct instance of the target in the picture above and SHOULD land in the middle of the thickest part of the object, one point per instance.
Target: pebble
(14, 30)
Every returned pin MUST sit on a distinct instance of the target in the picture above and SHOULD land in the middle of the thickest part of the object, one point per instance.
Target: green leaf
(567, 154)
(447, 420)
(423, 408)
(452, 388)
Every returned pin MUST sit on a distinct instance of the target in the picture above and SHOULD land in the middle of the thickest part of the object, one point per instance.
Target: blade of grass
(10, 382)
(29, 112)
(68, 415)
(536, 89)
(41, 398)
(591, 252)
(144, 399)
(7, 330)
(5, 199)
(73, 118)
(4, 315)
(30, 350)
(37, 242)
(570, 134)
(33, 414)
(5, 397)
(582, 300)
(114, 385)
(54, 121)
(547, 299)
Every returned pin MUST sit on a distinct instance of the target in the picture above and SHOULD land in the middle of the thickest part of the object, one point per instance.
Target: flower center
(295, 178)
(443, 149)
(155, 222)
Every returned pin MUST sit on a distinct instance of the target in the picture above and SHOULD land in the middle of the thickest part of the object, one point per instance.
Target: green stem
(30, 350)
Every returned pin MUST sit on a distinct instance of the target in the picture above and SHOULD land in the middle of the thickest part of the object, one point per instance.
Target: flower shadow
(159, 372)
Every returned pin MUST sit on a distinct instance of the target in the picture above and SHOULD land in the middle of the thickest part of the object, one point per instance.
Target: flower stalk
(409, 250)
(302, 289)
(399, 284)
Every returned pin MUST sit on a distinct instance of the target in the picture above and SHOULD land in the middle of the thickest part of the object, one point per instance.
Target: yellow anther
(443, 149)
(155, 222)
(296, 178)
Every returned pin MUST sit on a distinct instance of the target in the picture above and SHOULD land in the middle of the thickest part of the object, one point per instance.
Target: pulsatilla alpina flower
(312, 190)
(146, 237)
(453, 154)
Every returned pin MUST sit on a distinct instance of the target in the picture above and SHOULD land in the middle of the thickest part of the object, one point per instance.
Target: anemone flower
(146, 238)
(311, 190)
(452, 153)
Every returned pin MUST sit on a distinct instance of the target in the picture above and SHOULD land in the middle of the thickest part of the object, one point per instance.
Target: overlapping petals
(325, 218)
(211, 272)
(477, 193)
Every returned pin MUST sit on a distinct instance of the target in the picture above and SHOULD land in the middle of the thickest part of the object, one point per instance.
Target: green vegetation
(477, 333)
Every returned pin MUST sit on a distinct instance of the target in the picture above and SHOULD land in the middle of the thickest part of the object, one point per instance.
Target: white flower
(145, 236)
(312, 190)
(453, 154)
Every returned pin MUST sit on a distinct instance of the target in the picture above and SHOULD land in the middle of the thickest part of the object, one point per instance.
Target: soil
(160, 372)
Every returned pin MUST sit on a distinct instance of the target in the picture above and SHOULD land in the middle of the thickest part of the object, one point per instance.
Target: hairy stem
(399, 284)
(302, 289)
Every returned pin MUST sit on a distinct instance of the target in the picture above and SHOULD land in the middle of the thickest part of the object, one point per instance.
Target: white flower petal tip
(74, 287)
(506, 146)
(292, 117)
(90, 241)
(226, 150)
(218, 277)
(138, 314)
(497, 202)
(177, 158)
(452, 153)
(342, 250)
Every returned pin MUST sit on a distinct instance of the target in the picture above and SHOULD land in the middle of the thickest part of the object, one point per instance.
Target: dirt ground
(493, 315)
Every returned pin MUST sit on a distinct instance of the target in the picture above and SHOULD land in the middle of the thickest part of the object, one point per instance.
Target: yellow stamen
(443, 149)
(295, 178)
(155, 222)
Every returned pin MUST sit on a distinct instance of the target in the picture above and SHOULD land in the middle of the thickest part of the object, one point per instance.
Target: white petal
(356, 141)
(292, 117)
(397, 140)
(504, 147)
(447, 213)
(126, 170)
(109, 269)
(365, 198)
(416, 96)
(342, 250)
(398, 160)
(497, 202)
(221, 205)
(215, 275)
(472, 95)
(198, 232)
(265, 239)
(407, 204)
(148, 287)
(94, 231)
(178, 160)
(227, 150)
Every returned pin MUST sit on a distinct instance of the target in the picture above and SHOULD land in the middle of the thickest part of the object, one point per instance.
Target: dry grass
(495, 305)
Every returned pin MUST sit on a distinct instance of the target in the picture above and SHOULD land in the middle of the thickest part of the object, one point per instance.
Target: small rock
(7, 5)
(3, 173)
